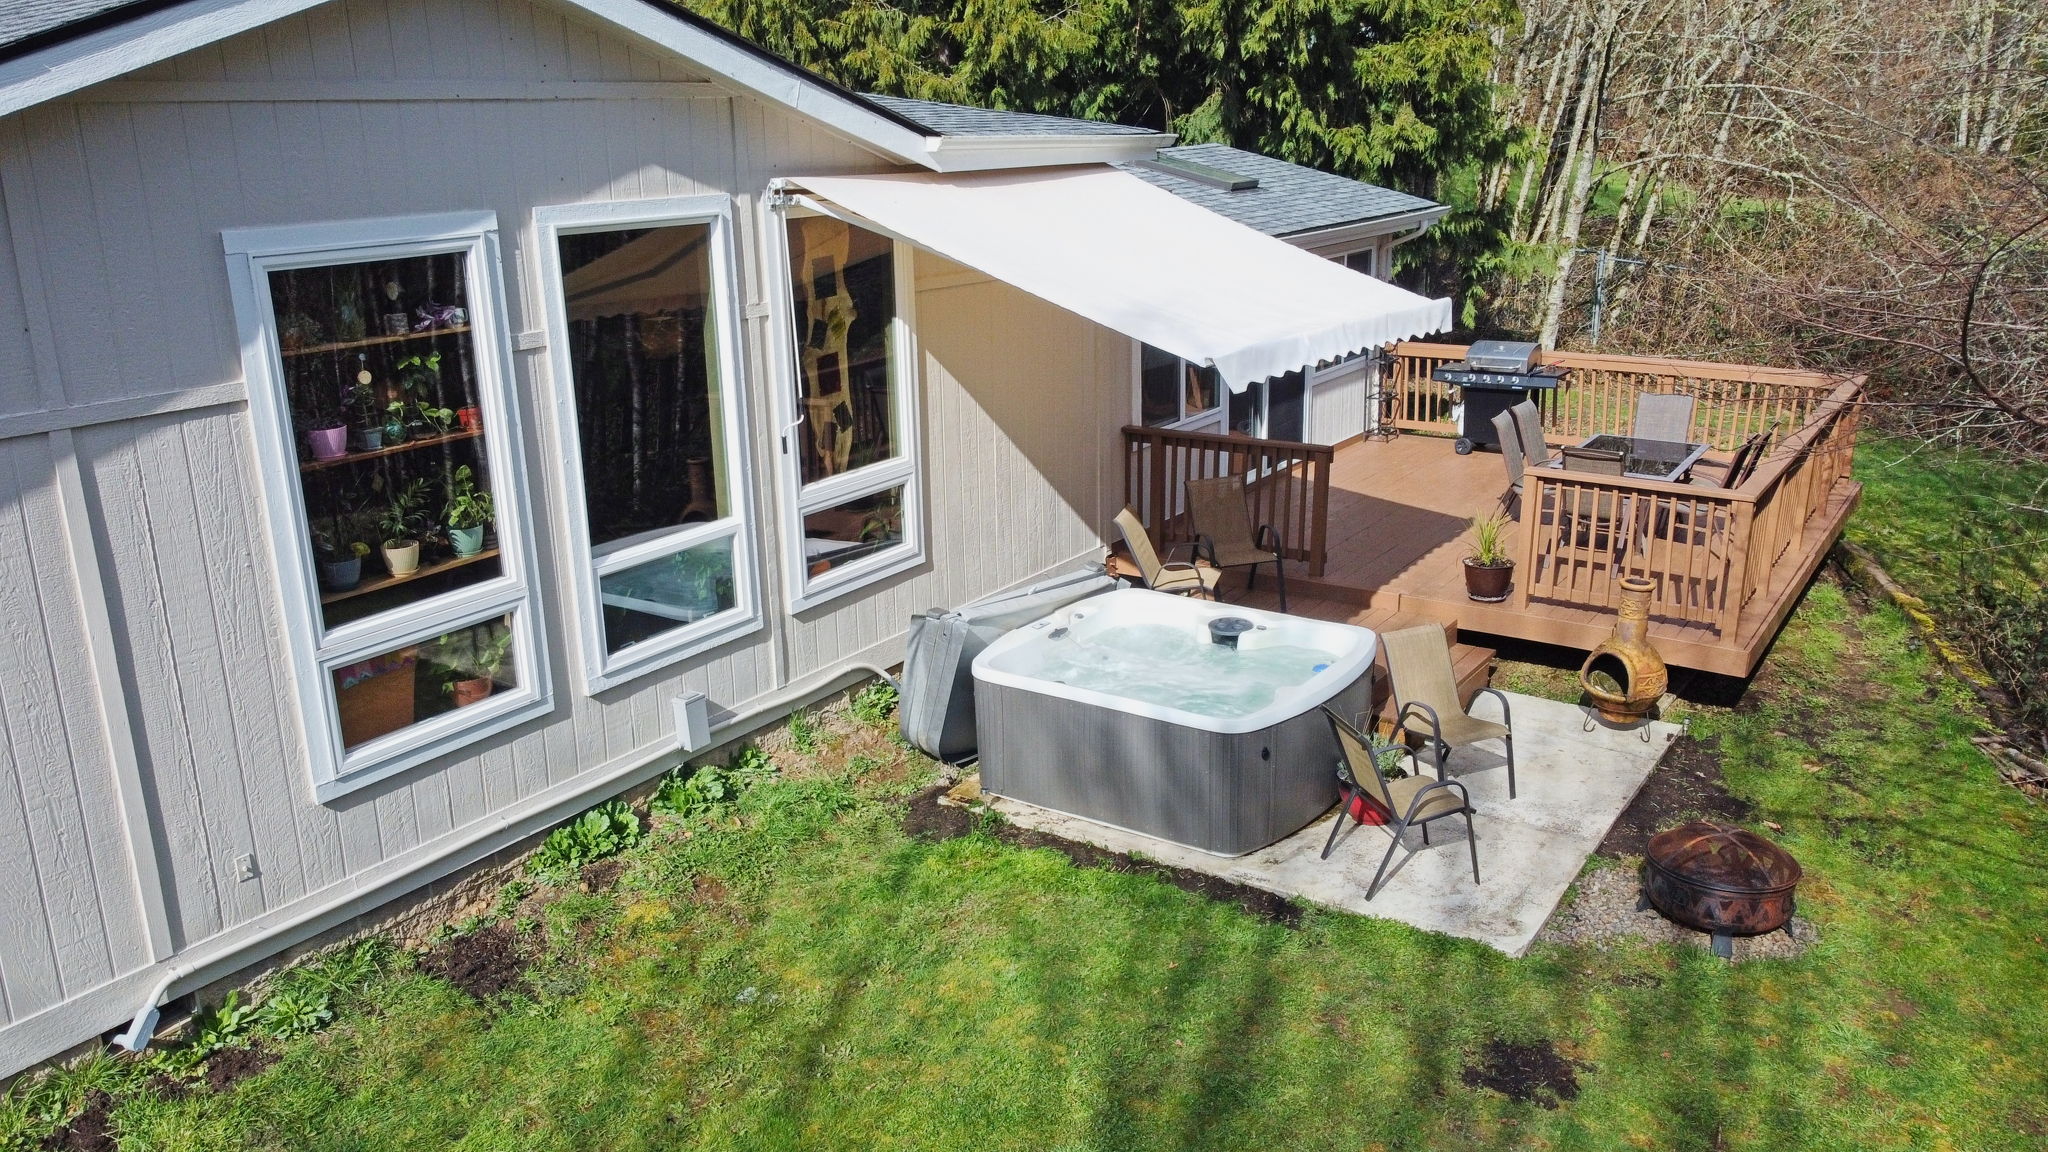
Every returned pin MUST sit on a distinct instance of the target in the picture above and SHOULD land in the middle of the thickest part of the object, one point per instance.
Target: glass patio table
(1666, 460)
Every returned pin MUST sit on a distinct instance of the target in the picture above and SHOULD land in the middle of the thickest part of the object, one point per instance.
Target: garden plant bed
(485, 964)
(89, 1131)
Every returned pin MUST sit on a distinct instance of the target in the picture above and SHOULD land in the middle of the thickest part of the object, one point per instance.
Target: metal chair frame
(1398, 822)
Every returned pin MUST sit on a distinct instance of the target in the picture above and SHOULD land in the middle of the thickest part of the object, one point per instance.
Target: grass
(794, 971)
(1947, 508)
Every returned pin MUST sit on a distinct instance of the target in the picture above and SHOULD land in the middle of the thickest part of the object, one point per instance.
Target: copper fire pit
(1625, 676)
(1720, 879)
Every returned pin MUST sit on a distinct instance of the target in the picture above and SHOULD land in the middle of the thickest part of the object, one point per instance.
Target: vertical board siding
(70, 909)
(19, 390)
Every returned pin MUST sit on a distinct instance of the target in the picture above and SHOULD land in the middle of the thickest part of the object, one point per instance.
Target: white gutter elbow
(142, 1029)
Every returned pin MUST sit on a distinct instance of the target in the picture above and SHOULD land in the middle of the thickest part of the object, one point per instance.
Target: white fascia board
(65, 68)
(1367, 229)
(986, 153)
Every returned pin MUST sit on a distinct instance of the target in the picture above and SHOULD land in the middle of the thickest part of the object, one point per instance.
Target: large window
(376, 373)
(849, 442)
(1173, 392)
(642, 342)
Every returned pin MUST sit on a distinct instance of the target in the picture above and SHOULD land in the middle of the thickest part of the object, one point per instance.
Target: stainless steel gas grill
(1495, 375)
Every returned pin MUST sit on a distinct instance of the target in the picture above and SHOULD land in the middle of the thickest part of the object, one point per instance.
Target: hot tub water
(1168, 666)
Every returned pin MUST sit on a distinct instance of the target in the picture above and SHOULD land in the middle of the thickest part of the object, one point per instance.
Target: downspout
(142, 1028)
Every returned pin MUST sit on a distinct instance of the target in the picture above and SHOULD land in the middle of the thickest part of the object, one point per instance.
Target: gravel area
(1602, 910)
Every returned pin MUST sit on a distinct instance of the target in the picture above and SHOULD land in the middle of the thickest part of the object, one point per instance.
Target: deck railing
(1599, 395)
(1708, 552)
(1289, 485)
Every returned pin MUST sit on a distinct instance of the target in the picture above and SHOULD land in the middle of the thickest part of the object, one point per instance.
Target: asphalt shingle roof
(1290, 199)
(961, 120)
(25, 19)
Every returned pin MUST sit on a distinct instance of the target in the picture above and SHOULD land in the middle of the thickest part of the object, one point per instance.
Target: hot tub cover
(1106, 245)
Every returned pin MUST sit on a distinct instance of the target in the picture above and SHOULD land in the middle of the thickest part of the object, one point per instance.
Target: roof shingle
(961, 120)
(1290, 198)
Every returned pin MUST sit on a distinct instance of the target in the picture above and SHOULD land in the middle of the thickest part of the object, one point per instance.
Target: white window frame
(315, 650)
(602, 669)
(904, 470)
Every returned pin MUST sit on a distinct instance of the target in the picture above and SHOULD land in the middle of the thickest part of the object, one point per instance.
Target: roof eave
(985, 153)
(1368, 228)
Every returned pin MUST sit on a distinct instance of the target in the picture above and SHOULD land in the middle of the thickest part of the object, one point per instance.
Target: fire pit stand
(1720, 879)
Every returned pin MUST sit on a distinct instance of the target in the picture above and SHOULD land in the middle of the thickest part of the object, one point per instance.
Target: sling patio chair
(1529, 422)
(1511, 455)
(1665, 416)
(1739, 466)
(1426, 697)
(1412, 801)
(1224, 535)
(1596, 517)
(1179, 578)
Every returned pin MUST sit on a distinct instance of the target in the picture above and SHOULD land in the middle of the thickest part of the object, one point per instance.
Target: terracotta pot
(402, 557)
(328, 443)
(1488, 583)
(467, 692)
(470, 417)
(1627, 659)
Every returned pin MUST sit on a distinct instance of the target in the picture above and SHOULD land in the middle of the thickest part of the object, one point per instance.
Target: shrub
(2007, 629)
(709, 789)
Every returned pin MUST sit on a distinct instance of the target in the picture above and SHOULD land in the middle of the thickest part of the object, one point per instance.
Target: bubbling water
(1168, 667)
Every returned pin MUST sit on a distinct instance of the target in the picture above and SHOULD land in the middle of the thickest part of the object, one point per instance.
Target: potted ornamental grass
(1488, 569)
(401, 526)
(467, 512)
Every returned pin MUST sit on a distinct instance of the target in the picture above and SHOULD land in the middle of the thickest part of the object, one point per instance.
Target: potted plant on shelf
(317, 410)
(471, 417)
(368, 432)
(400, 526)
(467, 514)
(1489, 570)
(438, 421)
(419, 379)
(482, 674)
(394, 423)
(339, 554)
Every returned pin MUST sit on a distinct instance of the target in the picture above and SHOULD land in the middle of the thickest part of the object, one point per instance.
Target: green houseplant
(467, 684)
(338, 549)
(467, 513)
(401, 524)
(316, 409)
(368, 430)
(419, 380)
(1488, 569)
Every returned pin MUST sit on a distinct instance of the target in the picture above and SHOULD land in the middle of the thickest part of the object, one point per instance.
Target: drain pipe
(142, 1028)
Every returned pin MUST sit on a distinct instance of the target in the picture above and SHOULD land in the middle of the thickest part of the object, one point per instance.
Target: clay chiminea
(1624, 675)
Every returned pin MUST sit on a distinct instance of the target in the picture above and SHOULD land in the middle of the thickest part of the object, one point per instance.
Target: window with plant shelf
(641, 304)
(849, 444)
(377, 383)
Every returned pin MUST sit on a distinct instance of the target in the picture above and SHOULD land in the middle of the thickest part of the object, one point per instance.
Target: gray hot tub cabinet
(1224, 793)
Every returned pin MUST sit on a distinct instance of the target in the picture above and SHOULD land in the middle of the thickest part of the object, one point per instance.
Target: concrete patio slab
(1571, 784)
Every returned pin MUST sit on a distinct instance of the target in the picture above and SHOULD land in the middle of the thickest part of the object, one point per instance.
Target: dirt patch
(1531, 1073)
(930, 820)
(1686, 785)
(602, 874)
(230, 1066)
(484, 964)
(90, 1131)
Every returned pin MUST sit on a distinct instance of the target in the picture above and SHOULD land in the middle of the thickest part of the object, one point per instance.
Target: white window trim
(904, 470)
(315, 651)
(601, 669)
(1214, 418)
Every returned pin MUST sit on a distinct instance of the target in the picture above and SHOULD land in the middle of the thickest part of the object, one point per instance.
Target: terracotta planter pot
(467, 692)
(1488, 584)
(402, 557)
(328, 443)
(470, 417)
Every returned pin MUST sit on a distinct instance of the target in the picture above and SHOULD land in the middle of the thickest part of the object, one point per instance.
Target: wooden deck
(1399, 513)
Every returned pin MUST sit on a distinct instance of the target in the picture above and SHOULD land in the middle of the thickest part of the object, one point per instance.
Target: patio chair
(1665, 416)
(1426, 697)
(1412, 801)
(1529, 422)
(1178, 578)
(1595, 518)
(1510, 454)
(1224, 535)
(1739, 466)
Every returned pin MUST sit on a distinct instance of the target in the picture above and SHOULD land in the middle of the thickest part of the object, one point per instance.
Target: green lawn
(1929, 513)
(804, 975)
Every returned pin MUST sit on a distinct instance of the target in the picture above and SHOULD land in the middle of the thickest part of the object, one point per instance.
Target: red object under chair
(1365, 809)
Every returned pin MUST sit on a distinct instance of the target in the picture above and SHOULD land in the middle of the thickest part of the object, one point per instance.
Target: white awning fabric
(1138, 259)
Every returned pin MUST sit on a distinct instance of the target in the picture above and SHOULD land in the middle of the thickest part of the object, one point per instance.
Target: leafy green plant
(710, 789)
(404, 516)
(467, 507)
(606, 830)
(223, 1027)
(419, 376)
(294, 1012)
(875, 703)
(804, 732)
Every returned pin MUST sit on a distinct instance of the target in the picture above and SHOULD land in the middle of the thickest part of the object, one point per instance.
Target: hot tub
(1121, 709)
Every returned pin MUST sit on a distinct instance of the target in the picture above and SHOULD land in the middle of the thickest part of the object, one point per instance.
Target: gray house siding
(152, 731)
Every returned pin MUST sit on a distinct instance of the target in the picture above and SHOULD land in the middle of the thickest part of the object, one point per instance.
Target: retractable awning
(1138, 259)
